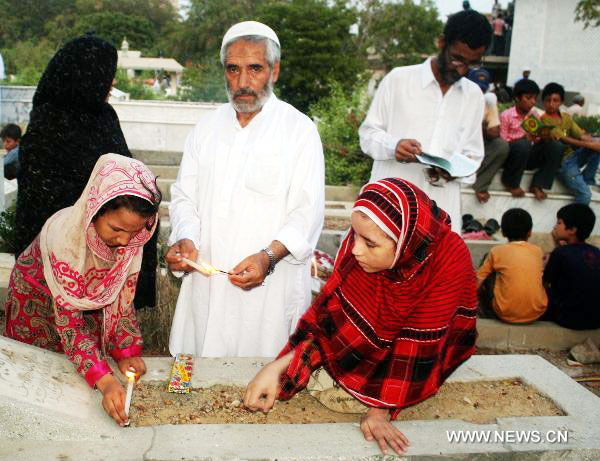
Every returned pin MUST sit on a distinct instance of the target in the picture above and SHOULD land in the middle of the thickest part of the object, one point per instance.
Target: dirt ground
(336, 223)
(559, 360)
(478, 402)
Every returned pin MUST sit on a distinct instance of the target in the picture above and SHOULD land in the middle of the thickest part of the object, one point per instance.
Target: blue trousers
(576, 178)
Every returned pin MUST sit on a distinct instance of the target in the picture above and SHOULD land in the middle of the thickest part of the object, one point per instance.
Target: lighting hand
(251, 271)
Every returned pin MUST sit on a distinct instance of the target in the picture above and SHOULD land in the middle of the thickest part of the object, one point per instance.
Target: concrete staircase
(339, 202)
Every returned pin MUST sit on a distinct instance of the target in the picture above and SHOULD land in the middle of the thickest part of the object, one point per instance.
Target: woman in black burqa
(71, 125)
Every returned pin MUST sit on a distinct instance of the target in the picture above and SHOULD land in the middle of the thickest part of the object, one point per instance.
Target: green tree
(26, 19)
(113, 27)
(398, 33)
(27, 60)
(338, 117)
(198, 38)
(316, 48)
(588, 12)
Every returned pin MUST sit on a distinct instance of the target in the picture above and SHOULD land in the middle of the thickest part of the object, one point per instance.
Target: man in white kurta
(430, 108)
(243, 187)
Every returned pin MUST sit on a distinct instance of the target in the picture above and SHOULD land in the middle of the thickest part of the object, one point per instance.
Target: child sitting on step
(510, 278)
(572, 274)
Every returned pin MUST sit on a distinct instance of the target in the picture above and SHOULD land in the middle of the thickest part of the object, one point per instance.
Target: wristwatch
(271, 256)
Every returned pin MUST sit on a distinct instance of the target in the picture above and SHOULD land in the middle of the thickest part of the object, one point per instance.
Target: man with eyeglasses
(430, 108)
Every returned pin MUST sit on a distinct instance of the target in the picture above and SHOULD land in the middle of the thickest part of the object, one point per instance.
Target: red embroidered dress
(69, 291)
(391, 338)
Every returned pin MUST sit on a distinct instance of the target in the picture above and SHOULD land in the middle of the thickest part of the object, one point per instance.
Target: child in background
(510, 278)
(581, 149)
(572, 274)
(11, 137)
(526, 152)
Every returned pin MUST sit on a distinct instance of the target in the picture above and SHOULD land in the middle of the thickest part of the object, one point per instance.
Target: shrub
(590, 123)
(7, 229)
(338, 117)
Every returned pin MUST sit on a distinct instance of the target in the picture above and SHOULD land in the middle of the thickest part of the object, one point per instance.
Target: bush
(7, 229)
(591, 123)
(338, 117)
(135, 88)
(203, 82)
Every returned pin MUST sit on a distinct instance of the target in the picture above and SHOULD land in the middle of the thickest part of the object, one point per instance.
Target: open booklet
(534, 126)
(457, 165)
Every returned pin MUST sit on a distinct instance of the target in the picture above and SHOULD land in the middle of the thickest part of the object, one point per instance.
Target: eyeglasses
(459, 61)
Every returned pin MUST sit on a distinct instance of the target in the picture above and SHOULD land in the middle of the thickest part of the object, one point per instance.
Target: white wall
(159, 125)
(547, 39)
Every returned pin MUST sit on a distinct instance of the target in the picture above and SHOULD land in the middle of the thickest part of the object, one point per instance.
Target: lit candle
(130, 380)
(203, 267)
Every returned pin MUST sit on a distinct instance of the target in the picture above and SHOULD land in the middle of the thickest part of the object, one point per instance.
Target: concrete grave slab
(48, 412)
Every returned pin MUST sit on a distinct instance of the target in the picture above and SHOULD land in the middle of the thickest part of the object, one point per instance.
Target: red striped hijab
(391, 338)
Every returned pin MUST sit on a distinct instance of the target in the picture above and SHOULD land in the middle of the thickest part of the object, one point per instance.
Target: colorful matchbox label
(181, 374)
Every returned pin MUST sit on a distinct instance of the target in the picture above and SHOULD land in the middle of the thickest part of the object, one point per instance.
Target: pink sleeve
(126, 341)
(505, 126)
(79, 345)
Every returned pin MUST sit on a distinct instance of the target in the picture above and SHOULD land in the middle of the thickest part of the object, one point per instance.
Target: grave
(48, 412)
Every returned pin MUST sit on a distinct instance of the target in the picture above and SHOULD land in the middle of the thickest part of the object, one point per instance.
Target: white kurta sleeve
(375, 141)
(306, 199)
(473, 137)
(183, 209)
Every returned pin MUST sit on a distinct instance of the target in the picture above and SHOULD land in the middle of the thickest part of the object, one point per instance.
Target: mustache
(245, 92)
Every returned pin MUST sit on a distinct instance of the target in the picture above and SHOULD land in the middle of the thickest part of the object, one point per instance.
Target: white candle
(131, 379)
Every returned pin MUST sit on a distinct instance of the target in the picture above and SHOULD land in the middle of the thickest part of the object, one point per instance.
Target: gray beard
(250, 107)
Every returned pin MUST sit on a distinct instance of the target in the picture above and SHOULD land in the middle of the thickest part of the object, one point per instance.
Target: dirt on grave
(477, 402)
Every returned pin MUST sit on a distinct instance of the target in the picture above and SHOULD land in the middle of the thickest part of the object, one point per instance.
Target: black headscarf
(70, 126)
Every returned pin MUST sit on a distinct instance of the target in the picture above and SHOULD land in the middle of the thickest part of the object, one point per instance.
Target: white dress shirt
(409, 104)
(237, 190)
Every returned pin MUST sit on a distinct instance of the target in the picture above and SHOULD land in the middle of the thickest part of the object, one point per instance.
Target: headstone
(39, 386)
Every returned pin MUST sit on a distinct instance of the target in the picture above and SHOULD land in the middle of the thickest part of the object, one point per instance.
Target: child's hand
(114, 398)
(135, 364)
(264, 388)
(375, 425)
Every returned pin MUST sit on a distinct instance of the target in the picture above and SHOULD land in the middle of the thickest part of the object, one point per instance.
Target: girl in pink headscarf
(72, 289)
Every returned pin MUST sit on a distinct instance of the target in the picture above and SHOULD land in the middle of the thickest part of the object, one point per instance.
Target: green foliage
(7, 229)
(135, 88)
(398, 33)
(27, 60)
(338, 118)
(591, 123)
(588, 12)
(314, 34)
(26, 19)
(316, 48)
(113, 27)
(199, 37)
(203, 82)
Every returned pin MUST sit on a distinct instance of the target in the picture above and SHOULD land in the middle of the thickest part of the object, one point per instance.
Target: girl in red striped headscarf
(394, 320)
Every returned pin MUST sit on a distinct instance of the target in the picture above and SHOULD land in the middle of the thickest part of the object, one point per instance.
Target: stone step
(542, 212)
(165, 172)
(164, 186)
(157, 157)
(557, 186)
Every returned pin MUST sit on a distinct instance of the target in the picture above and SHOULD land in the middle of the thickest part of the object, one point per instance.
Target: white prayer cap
(242, 29)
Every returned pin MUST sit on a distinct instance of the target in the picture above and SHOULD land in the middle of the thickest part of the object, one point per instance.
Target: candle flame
(209, 268)
(130, 374)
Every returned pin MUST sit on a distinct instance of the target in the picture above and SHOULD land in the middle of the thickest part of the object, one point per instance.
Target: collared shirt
(564, 126)
(237, 190)
(409, 104)
(510, 123)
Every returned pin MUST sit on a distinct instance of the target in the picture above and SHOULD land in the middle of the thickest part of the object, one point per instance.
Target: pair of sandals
(470, 224)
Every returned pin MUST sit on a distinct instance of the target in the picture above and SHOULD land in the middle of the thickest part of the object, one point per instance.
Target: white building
(133, 61)
(547, 39)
